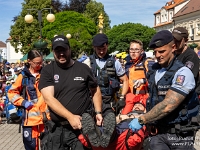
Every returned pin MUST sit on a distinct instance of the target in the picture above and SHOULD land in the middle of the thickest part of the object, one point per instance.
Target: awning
(24, 58)
(50, 56)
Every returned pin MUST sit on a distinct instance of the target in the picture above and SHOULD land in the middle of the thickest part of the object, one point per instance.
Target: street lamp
(29, 18)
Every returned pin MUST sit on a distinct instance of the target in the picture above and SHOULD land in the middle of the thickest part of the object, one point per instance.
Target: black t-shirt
(190, 59)
(71, 86)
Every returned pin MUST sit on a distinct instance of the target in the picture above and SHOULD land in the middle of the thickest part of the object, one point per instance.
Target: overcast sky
(119, 11)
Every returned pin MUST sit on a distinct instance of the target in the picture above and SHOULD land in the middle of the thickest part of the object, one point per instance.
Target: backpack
(14, 113)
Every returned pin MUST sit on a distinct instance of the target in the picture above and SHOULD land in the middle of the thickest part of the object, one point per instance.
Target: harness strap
(126, 139)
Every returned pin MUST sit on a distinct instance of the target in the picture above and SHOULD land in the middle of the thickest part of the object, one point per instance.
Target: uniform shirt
(120, 71)
(71, 86)
(190, 59)
(183, 81)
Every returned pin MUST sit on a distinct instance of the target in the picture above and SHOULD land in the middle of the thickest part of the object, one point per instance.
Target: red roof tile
(170, 5)
(2, 44)
(190, 7)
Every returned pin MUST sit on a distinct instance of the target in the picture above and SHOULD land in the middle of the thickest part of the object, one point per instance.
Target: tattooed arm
(171, 102)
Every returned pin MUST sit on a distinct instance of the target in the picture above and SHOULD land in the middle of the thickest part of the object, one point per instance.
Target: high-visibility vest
(33, 116)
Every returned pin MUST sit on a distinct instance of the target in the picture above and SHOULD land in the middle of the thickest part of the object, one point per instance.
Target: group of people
(157, 99)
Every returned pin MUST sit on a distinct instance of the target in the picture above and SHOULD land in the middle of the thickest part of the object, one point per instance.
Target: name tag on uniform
(162, 92)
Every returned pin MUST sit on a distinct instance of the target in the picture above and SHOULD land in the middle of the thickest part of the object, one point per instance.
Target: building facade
(184, 13)
(10, 54)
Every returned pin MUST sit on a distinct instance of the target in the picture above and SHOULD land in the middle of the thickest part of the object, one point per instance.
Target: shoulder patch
(189, 64)
(180, 79)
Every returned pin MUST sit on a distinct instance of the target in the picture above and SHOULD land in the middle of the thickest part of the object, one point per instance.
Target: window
(158, 20)
(191, 30)
(162, 18)
(170, 16)
(198, 28)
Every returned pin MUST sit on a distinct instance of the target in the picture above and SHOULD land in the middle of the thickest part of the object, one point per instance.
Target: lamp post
(29, 19)
(50, 17)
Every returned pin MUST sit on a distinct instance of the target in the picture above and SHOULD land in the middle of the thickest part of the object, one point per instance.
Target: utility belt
(107, 99)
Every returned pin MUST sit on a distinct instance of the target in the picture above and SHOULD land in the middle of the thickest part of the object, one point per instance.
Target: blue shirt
(119, 69)
(183, 80)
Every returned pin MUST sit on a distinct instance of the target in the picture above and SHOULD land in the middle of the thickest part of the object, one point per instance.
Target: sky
(119, 11)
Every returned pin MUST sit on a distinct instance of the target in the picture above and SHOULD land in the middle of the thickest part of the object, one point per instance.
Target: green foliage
(81, 29)
(121, 35)
(193, 45)
(93, 10)
(73, 5)
(24, 34)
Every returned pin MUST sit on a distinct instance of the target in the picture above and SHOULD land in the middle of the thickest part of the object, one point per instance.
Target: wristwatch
(98, 112)
(141, 122)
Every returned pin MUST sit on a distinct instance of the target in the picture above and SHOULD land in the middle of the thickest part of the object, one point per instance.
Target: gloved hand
(134, 125)
(83, 58)
(28, 105)
(138, 83)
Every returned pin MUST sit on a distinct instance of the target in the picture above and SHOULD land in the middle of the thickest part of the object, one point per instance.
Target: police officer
(185, 54)
(108, 71)
(172, 101)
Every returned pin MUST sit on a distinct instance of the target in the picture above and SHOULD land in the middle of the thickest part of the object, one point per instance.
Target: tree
(78, 5)
(121, 35)
(93, 11)
(57, 5)
(73, 5)
(81, 28)
(23, 33)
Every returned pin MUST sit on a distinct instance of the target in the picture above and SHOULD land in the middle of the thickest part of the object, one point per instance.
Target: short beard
(63, 65)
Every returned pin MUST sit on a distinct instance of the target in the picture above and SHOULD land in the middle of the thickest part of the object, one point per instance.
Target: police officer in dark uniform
(108, 71)
(172, 101)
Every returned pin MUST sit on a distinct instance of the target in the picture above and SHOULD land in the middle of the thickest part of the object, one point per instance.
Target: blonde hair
(138, 42)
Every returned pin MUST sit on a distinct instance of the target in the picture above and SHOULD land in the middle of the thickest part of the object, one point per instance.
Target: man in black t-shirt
(185, 54)
(66, 86)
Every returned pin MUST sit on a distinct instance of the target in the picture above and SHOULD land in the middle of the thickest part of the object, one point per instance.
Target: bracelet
(98, 112)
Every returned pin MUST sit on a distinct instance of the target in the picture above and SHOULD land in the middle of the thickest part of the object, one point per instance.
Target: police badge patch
(180, 79)
(189, 64)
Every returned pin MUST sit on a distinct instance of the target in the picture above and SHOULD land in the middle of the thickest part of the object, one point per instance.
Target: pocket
(45, 140)
(115, 84)
(27, 134)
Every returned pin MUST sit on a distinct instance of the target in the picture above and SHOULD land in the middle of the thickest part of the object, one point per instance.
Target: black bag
(46, 136)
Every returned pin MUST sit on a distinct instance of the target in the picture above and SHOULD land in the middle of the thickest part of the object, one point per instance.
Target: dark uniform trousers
(167, 141)
(64, 137)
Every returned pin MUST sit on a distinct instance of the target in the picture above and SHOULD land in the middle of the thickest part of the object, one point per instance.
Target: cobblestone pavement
(11, 139)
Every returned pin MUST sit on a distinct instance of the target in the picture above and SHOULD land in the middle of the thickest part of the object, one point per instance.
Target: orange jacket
(33, 116)
(138, 71)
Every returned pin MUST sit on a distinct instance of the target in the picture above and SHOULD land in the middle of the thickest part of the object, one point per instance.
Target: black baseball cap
(100, 39)
(179, 33)
(160, 39)
(60, 40)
